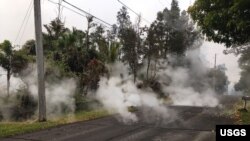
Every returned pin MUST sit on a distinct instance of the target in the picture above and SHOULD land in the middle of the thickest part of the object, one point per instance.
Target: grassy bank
(242, 116)
(15, 128)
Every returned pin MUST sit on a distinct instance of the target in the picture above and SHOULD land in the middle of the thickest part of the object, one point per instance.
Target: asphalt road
(189, 124)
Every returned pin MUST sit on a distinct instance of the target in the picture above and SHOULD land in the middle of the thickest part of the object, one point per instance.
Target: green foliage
(5, 54)
(11, 60)
(130, 39)
(244, 82)
(19, 106)
(95, 69)
(226, 21)
(30, 47)
(24, 107)
(132, 109)
(55, 29)
(123, 19)
(172, 33)
(223, 21)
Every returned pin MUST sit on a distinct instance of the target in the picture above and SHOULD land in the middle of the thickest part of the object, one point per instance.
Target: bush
(82, 103)
(24, 106)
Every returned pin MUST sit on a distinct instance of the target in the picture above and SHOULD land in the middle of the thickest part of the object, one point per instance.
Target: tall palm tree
(5, 60)
(11, 60)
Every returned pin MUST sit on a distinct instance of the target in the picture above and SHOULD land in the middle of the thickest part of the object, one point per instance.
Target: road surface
(189, 124)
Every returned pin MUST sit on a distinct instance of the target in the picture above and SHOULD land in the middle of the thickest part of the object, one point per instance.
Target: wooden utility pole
(39, 61)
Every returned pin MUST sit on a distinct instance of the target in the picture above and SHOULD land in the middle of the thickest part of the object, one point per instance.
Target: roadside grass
(15, 128)
(242, 116)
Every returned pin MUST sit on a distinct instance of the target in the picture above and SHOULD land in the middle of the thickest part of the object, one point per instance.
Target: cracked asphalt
(187, 124)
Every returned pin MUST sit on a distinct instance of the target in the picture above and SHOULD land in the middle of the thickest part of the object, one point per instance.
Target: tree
(180, 29)
(223, 21)
(55, 30)
(244, 82)
(30, 47)
(226, 22)
(129, 40)
(174, 32)
(218, 80)
(90, 24)
(11, 60)
(154, 44)
(113, 51)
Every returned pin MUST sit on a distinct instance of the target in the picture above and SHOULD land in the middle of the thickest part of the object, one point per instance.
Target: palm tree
(11, 60)
(5, 60)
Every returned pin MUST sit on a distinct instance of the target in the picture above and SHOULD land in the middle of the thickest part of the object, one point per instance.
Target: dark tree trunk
(8, 82)
(135, 75)
(149, 61)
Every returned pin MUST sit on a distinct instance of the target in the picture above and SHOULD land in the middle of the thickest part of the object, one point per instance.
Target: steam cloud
(178, 83)
(184, 85)
(59, 96)
(189, 85)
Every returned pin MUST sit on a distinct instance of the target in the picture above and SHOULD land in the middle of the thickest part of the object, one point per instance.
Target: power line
(87, 13)
(67, 8)
(133, 11)
(161, 3)
(164, 4)
(24, 19)
(74, 11)
(25, 26)
(168, 2)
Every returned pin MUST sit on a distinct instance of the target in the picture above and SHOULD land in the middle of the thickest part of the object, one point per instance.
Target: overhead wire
(133, 11)
(168, 2)
(25, 26)
(70, 9)
(164, 5)
(161, 3)
(67, 8)
(87, 13)
(24, 19)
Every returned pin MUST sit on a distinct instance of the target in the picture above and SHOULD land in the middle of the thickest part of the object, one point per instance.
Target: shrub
(24, 106)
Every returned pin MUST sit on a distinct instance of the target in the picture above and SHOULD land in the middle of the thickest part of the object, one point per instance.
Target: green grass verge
(245, 117)
(242, 116)
(15, 128)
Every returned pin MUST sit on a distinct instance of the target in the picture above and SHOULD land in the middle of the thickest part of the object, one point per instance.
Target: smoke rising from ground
(119, 92)
(183, 84)
(59, 94)
(188, 83)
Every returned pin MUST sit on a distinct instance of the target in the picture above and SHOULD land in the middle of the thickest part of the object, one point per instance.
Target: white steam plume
(59, 95)
(183, 85)
(119, 92)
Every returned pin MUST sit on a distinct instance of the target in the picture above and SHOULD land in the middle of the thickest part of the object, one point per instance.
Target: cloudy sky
(12, 13)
